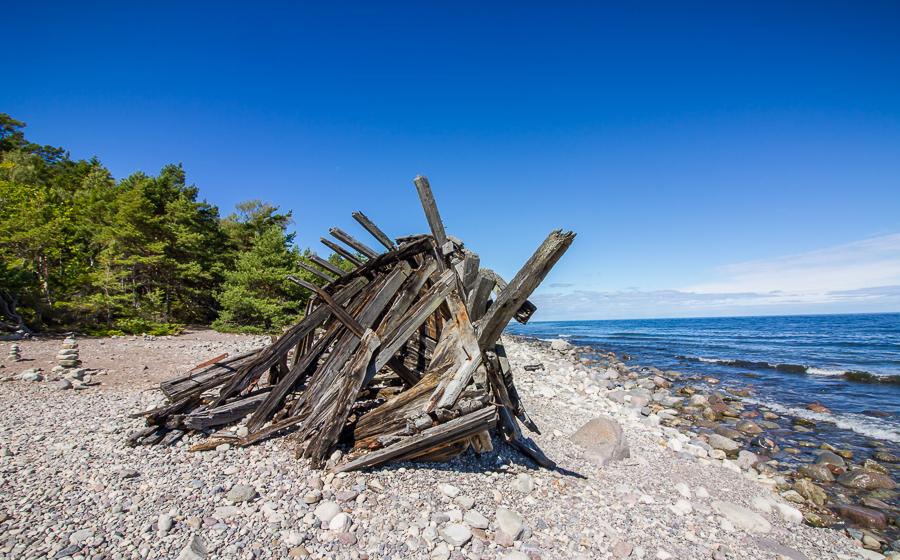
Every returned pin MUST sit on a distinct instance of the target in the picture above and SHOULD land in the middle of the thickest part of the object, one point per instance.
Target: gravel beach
(71, 488)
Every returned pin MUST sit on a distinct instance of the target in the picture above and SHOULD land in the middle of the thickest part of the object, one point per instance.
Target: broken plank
(341, 251)
(477, 301)
(367, 224)
(516, 293)
(316, 272)
(431, 210)
(354, 243)
(423, 443)
(525, 311)
(462, 348)
(330, 267)
(223, 414)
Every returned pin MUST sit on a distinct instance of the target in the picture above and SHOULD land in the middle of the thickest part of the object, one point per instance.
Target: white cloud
(863, 276)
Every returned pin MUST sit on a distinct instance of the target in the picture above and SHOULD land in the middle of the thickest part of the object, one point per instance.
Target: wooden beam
(516, 293)
(341, 251)
(334, 269)
(478, 299)
(525, 311)
(359, 246)
(462, 348)
(223, 414)
(373, 229)
(431, 210)
(327, 278)
(428, 440)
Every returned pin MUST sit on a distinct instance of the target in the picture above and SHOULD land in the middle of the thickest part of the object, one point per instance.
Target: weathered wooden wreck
(399, 359)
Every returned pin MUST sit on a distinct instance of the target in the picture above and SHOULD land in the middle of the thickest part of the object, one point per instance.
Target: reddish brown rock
(817, 407)
(864, 517)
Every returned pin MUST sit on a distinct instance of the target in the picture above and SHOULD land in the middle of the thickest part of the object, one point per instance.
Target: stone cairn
(14, 355)
(68, 366)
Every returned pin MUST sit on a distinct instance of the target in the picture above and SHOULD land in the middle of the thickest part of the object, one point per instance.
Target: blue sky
(714, 158)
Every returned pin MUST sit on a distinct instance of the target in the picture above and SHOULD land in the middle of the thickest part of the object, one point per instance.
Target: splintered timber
(399, 359)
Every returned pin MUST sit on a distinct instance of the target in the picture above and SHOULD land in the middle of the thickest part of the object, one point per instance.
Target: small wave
(848, 421)
(847, 374)
(821, 371)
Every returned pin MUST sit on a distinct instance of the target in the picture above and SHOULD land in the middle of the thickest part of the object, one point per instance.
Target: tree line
(82, 251)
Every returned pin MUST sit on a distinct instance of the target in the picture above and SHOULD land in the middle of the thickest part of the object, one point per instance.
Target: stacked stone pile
(71, 376)
(14, 355)
(68, 354)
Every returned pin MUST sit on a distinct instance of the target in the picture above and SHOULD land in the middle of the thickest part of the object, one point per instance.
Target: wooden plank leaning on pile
(399, 358)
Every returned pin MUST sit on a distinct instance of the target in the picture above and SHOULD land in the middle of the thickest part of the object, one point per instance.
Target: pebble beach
(70, 487)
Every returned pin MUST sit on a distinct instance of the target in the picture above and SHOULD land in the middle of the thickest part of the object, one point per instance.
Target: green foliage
(80, 250)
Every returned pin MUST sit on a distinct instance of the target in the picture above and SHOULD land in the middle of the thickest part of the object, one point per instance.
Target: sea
(849, 363)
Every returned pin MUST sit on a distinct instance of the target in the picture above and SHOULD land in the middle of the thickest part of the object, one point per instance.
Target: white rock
(515, 555)
(475, 519)
(702, 493)
(448, 490)
(742, 517)
(560, 345)
(326, 511)
(524, 483)
(164, 522)
(440, 552)
(226, 512)
(340, 523)
(675, 445)
(790, 514)
(684, 505)
(510, 523)
(683, 489)
(761, 504)
(662, 554)
(456, 534)
(231, 470)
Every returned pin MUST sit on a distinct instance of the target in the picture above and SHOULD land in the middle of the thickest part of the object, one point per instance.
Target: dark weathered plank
(373, 229)
(326, 277)
(525, 311)
(414, 317)
(462, 348)
(334, 269)
(470, 271)
(529, 449)
(425, 442)
(270, 355)
(224, 414)
(354, 243)
(431, 210)
(341, 251)
(209, 377)
(529, 277)
(511, 391)
(171, 437)
(351, 382)
(476, 304)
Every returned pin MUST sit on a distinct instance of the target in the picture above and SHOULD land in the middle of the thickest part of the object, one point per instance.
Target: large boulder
(560, 345)
(604, 441)
(866, 480)
(723, 443)
(864, 517)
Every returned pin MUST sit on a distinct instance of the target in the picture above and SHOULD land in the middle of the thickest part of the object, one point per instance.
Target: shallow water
(849, 363)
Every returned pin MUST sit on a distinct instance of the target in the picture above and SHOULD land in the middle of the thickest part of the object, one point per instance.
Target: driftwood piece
(341, 251)
(516, 293)
(354, 244)
(427, 441)
(209, 377)
(507, 377)
(367, 224)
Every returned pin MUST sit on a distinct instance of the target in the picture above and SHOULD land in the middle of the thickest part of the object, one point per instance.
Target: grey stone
(456, 534)
(475, 519)
(63, 384)
(80, 536)
(723, 443)
(241, 493)
(327, 510)
(604, 440)
(194, 550)
(524, 483)
(510, 523)
(829, 458)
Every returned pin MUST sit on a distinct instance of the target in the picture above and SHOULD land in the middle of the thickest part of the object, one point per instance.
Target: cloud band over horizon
(858, 277)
